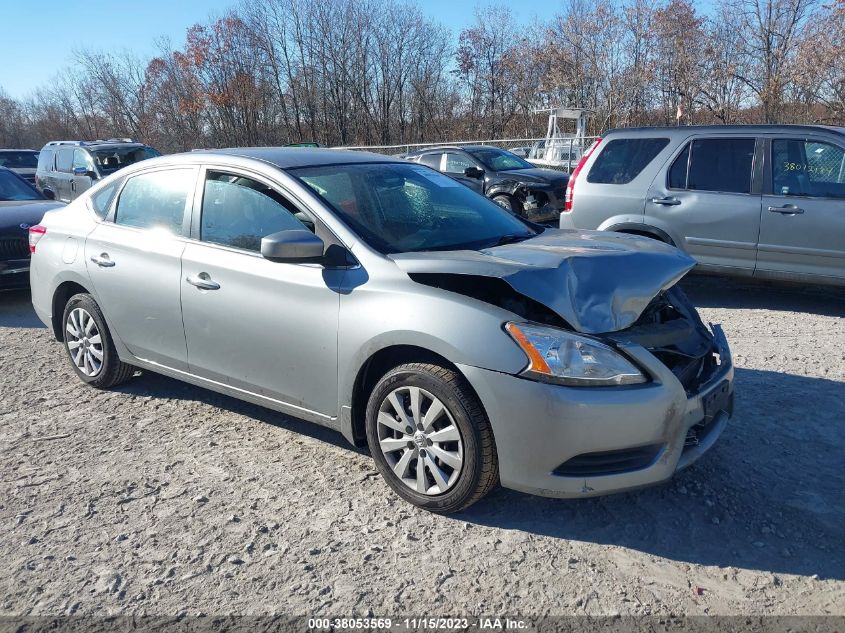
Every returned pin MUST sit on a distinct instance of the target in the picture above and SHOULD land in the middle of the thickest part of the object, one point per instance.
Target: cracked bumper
(539, 426)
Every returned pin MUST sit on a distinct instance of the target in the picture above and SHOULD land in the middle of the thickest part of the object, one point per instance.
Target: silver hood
(595, 281)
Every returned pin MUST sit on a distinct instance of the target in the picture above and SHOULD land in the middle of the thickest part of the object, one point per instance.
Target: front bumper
(539, 427)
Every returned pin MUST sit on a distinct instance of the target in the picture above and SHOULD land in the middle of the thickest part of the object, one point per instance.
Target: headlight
(569, 359)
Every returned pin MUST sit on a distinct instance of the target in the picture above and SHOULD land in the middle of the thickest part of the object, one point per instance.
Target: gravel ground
(161, 498)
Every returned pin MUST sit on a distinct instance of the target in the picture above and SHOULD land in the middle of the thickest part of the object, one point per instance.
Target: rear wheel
(89, 344)
(430, 438)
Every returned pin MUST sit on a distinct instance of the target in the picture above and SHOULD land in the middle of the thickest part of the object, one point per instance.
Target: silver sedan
(383, 299)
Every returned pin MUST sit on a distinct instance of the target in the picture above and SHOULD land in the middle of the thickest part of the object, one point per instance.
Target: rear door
(134, 262)
(802, 230)
(60, 179)
(709, 198)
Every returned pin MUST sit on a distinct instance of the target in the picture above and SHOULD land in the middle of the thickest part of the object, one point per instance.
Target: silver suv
(387, 301)
(66, 169)
(767, 201)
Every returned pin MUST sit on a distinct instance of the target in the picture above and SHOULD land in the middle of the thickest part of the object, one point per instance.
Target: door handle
(670, 202)
(202, 281)
(73, 185)
(102, 260)
(788, 209)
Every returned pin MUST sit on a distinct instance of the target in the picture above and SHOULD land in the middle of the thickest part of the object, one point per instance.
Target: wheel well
(377, 366)
(60, 298)
(649, 234)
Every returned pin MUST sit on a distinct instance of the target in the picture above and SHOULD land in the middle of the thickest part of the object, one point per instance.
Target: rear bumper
(541, 428)
(14, 274)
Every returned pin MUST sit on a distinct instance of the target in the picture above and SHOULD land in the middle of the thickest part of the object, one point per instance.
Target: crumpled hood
(596, 281)
(536, 174)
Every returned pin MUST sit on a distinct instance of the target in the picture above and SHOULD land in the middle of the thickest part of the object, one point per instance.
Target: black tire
(112, 370)
(479, 472)
(507, 202)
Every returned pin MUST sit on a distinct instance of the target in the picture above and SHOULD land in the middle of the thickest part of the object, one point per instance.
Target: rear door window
(431, 160)
(155, 200)
(623, 159)
(807, 168)
(64, 159)
(714, 164)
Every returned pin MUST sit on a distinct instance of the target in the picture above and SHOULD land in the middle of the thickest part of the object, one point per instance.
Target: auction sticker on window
(436, 177)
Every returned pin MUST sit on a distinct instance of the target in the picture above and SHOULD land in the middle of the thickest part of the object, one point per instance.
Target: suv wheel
(506, 201)
(430, 438)
(89, 344)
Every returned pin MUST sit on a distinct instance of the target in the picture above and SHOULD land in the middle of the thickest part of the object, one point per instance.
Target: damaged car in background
(383, 299)
(508, 180)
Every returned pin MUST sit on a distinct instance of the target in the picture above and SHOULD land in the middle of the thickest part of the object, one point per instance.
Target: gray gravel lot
(162, 498)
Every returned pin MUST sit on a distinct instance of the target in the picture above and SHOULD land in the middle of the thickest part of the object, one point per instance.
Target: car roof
(441, 148)
(750, 129)
(292, 157)
(92, 144)
(9, 149)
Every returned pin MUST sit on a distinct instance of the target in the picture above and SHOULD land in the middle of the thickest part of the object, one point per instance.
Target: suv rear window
(19, 160)
(623, 159)
(716, 164)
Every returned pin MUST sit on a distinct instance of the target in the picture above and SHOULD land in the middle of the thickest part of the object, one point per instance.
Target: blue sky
(37, 38)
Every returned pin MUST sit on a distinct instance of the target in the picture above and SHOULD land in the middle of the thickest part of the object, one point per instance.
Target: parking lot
(163, 498)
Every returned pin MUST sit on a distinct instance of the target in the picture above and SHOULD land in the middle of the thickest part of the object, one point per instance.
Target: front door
(803, 225)
(707, 194)
(455, 164)
(265, 327)
(133, 260)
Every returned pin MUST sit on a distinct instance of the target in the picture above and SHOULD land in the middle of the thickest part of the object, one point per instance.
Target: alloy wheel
(84, 342)
(420, 440)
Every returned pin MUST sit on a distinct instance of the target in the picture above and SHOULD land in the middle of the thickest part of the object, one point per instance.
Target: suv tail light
(570, 186)
(35, 233)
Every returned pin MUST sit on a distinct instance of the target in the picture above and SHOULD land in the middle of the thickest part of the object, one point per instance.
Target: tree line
(380, 72)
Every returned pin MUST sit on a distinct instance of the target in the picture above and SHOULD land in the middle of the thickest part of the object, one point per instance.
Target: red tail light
(570, 186)
(35, 233)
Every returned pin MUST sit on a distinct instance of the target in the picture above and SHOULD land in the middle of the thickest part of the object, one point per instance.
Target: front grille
(690, 371)
(14, 248)
(609, 462)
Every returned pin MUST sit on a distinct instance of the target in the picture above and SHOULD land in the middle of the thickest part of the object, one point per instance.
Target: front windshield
(19, 160)
(13, 188)
(110, 160)
(500, 160)
(399, 207)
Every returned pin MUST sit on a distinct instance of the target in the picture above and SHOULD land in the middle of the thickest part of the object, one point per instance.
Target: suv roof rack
(66, 143)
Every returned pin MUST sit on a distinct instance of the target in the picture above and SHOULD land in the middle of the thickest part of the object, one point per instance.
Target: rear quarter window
(45, 160)
(623, 159)
(100, 202)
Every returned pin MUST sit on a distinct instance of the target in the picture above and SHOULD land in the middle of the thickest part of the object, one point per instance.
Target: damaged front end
(538, 202)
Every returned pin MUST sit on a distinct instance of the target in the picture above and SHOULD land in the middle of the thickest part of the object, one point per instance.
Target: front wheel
(507, 202)
(89, 344)
(430, 438)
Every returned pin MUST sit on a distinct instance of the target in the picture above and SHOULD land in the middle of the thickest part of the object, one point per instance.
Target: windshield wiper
(510, 238)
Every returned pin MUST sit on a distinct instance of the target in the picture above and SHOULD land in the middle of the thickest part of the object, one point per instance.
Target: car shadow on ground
(768, 496)
(16, 310)
(710, 291)
(158, 386)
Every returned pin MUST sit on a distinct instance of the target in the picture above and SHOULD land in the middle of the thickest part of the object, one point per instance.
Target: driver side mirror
(292, 245)
(82, 171)
(474, 172)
